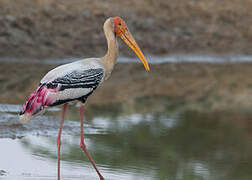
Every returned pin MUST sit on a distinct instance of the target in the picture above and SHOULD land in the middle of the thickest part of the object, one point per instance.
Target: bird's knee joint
(82, 145)
(58, 143)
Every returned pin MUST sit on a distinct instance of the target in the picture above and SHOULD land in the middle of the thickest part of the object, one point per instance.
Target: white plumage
(60, 71)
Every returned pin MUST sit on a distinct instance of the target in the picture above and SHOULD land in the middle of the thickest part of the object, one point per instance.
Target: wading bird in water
(76, 81)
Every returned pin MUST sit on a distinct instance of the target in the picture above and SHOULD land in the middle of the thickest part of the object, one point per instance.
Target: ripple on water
(47, 124)
(173, 144)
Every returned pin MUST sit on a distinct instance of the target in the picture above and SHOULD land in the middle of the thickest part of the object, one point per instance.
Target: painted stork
(78, 80)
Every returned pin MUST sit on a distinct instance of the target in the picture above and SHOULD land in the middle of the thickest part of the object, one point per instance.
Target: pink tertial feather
(39, 99)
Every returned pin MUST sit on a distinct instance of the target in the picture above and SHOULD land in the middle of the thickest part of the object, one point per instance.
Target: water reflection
(169, 142)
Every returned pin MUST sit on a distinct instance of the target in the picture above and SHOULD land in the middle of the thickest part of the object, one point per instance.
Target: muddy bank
(49, 28)
(197, 85)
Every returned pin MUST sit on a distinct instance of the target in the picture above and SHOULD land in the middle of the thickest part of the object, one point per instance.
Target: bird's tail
(40, 98)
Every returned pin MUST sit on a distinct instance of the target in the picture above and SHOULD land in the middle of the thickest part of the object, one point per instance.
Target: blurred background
(189, 118)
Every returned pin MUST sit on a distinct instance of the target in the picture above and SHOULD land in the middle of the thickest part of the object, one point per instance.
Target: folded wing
(75, 85)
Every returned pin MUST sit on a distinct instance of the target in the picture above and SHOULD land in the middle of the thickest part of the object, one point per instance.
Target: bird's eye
(119, 24)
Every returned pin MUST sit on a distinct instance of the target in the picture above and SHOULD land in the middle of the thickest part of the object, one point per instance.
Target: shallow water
(171, 143)
(150, 59)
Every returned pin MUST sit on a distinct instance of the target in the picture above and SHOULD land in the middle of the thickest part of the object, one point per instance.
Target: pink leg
(83, 146)
(59, 137)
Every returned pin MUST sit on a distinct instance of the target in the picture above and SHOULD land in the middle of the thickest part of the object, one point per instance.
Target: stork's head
(121, 29)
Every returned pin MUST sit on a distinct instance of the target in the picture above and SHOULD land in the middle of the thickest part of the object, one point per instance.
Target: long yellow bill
(130, 41)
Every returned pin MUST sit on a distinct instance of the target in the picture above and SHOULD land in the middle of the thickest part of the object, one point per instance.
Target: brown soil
(60, 28)
(198, 85)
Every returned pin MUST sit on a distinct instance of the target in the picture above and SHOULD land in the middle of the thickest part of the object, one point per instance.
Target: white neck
(110, 58)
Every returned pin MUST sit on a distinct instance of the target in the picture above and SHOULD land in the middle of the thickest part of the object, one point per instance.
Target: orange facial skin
(123, 32)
